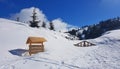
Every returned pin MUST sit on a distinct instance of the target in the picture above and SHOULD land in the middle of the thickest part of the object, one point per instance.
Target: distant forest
(96, 30)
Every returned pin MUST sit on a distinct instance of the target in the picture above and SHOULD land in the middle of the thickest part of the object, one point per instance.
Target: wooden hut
(84, 44)
(35, 44)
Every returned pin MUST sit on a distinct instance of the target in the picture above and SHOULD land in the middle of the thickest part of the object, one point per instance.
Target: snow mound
(60, 53)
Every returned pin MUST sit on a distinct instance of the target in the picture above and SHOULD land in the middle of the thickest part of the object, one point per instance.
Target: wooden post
(42, 47)
(84, 43)
(30, 49)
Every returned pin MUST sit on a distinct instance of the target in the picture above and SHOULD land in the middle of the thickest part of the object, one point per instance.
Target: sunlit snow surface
(60, 53)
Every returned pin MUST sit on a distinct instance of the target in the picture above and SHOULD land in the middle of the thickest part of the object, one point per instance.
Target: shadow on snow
(18, 52)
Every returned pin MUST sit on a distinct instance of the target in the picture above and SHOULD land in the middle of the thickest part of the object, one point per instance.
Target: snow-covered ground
(60, 53)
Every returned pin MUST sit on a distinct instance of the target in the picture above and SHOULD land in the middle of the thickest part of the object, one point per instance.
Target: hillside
(60, 53)
(96, 30)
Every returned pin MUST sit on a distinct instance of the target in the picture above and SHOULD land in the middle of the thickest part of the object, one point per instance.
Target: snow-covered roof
(35, 40)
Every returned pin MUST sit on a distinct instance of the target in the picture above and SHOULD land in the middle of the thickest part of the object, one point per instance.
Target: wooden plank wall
(33, 49)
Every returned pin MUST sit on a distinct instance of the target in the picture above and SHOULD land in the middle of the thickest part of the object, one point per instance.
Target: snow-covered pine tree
(34, 22)
(51, 26)
(44, 25)
(18, 19)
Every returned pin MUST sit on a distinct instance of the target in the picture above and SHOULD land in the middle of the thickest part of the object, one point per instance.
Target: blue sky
(74, 12)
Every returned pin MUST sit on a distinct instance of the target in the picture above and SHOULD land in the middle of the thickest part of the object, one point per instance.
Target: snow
(60, 53)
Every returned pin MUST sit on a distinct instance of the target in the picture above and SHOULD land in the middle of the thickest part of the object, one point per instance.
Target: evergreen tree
(44, 25)
(34, 22)
(18, 19)
(51, 26)
(79, 35)
(84, 33)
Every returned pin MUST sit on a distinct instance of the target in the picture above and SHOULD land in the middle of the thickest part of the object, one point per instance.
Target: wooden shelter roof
(35, 40)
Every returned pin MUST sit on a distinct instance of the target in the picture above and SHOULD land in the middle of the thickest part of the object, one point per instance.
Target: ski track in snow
(10, 64)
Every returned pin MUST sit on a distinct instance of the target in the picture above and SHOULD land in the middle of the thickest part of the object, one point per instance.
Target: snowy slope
(59, 52)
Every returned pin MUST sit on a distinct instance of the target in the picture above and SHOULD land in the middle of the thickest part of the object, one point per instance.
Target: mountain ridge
(96, 30)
